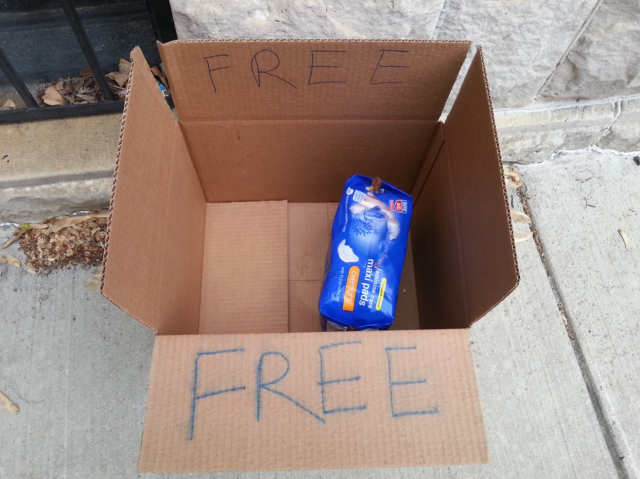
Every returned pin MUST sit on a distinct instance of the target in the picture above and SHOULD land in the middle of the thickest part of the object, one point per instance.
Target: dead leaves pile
(118, 80)
(61, 243)
(73, 91)
(85, 88)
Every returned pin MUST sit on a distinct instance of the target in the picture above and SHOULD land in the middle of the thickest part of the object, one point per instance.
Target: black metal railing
(162, 22)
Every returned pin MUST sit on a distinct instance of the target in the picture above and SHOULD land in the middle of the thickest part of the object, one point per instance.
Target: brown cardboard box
(218, 233)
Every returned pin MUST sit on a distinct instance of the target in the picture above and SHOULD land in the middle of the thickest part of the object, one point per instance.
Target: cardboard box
(218, 234)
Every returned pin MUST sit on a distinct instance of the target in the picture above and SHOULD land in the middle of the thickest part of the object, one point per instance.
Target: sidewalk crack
(617, 455)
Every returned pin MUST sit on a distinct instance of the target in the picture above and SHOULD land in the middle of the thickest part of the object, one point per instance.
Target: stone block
(522, 41)
(605, 62)
(393, 19)
(624, 134)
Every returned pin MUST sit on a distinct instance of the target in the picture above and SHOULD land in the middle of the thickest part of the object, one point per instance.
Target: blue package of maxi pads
(365, 257)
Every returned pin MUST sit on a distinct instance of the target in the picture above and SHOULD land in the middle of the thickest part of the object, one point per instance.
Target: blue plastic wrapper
(365, 258)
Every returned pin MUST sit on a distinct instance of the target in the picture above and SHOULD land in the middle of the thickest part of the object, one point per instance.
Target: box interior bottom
(263, 266)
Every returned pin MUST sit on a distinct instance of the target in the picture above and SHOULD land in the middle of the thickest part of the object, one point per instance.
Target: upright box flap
(153, 259)
(303, 161)
(312, 401)
(461, 228)
(314, 79)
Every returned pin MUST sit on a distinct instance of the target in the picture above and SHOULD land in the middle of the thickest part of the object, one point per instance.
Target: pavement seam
(441, 18)
(607, 129)
(54, 179)
(617, 455)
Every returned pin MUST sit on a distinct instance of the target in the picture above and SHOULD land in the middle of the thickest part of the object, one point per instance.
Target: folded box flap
(312, 401)
(311, 79)
(156, 228)
(471, 168)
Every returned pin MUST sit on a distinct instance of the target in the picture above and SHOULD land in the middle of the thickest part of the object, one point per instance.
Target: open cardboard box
(217, 240)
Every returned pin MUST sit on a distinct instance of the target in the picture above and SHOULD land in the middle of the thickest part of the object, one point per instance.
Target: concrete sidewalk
(558, 382)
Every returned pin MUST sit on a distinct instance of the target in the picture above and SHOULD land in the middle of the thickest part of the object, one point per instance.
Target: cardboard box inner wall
(219, 230)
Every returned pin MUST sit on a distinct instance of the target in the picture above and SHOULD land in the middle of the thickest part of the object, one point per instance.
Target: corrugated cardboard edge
(113, 192)
(303, 40)
(504, 189)
(127, 98)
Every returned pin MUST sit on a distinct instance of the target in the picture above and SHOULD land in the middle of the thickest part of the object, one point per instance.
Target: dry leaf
(522, 236)
(66, 222)
(89, 98)
(86, 73)
(514, 185)
(510, 172)
(97, 272)
(124, 66)
(74, 220)
(8, 259)
(17, 234)
(9, 105)
(52, 97)
(30, 270)
(11, 240)
(69, 98)
(520, 217)
(8, 405)
(121, 78)
(92, 284)
(60, 85)
(627, 241)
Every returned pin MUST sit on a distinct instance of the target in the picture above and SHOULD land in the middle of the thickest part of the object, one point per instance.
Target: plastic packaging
(366, 255)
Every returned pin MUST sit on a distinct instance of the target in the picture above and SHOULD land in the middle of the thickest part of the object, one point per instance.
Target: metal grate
(162, 22)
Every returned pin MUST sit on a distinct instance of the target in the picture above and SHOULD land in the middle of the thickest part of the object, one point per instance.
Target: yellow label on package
(383, 285)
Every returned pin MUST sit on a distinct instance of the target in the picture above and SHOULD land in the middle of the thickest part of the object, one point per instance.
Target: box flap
(152, 266)
(461, 230)
(312, 401)
(314, 79)
(303, 161)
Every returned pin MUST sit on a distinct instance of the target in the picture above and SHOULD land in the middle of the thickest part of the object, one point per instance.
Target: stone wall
(540, 55)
